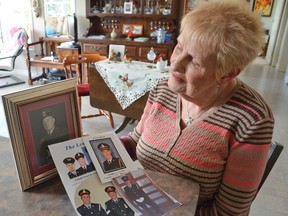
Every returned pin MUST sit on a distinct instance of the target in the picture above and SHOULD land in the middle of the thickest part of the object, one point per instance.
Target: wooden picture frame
(27, 111)
(137, 29)
(128, 7)
(264, 8)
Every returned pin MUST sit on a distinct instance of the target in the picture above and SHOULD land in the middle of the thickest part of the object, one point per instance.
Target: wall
(83, 22)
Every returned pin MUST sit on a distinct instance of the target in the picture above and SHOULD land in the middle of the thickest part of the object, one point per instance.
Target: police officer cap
(103, 146)
(46, 113)
(79, 155)
(83, 192)
(124, 178)
(110, 189)
(68, 160)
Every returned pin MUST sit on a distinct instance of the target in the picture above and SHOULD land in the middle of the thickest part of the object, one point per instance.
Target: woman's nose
(178, 62)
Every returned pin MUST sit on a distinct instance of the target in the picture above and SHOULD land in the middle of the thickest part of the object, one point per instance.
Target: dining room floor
(273, 198)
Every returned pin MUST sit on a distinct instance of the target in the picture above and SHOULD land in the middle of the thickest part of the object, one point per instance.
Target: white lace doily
(129, 81)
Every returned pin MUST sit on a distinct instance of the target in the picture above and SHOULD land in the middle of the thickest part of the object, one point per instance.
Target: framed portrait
(36, 118)
(137, 29)
(128, 7)
(263, 7)
(107, 155)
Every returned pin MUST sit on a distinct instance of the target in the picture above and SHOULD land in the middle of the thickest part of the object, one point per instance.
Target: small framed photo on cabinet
(128, 7)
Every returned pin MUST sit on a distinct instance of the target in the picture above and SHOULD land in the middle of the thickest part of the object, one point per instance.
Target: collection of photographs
(116, 185)
(97, 172)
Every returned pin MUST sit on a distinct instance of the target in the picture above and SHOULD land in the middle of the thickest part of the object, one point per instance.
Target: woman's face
(192, 70)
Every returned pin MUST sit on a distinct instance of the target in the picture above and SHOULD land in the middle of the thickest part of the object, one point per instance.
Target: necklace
(189, 118)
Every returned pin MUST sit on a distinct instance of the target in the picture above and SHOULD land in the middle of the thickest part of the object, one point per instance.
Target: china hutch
(142, 17)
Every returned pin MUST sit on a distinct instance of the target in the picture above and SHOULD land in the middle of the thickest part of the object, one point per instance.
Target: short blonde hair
(234, 33)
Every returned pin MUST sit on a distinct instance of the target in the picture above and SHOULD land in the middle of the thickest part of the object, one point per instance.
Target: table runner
(130, 81)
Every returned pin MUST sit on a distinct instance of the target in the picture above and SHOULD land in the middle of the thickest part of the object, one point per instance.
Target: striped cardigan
(225, 151)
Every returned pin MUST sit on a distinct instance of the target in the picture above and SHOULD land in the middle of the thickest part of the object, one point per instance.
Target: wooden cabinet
(62, 52)
(104, 15)
(52, 43)
(97, 47)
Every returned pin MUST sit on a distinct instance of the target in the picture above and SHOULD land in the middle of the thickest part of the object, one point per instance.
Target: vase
(113, 34)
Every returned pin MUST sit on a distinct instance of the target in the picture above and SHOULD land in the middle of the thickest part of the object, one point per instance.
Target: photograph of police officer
(140, 198)
(84, 166)
(70, 164)
(111, 163)
(49, 125)
(107, 155)
(89, 208)
(116, 206)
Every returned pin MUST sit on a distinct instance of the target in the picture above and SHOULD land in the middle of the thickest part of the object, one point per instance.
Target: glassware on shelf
(120, 8)
(151, 55)
(108, 6)
(148, 9)
(156, 7)
(168, 8)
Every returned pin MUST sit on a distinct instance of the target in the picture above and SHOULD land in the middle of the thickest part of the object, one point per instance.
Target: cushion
(83, 89)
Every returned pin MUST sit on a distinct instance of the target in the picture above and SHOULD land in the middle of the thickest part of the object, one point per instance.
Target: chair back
(70, 62)
(13, 48)
(274, 152)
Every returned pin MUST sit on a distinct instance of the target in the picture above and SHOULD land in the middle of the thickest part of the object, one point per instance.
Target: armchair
(18, 38)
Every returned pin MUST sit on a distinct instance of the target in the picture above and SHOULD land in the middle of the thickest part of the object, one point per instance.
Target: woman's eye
(195, 66)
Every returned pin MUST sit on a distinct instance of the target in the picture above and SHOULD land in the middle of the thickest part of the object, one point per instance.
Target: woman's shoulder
(163, 95)
(247, 98)
(162, 87)
(162, 90)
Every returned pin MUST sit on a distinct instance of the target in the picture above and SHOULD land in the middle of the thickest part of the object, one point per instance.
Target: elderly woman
(204, 123)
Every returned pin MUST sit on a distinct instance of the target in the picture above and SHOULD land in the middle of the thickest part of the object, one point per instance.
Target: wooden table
(50, 198)
(101, 97)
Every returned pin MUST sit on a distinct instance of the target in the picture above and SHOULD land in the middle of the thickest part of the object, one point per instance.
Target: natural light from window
(14, 13)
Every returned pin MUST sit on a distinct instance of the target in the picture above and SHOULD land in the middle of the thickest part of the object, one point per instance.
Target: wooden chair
(274, 152)
(72, 62)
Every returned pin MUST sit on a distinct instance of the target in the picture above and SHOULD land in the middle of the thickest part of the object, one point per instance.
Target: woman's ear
(231, 75)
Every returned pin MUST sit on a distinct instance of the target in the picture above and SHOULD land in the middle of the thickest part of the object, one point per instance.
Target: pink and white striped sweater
(225, 151)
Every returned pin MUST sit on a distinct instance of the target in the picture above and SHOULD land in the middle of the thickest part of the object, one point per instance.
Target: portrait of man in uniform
(88, 208)
(52, 134)
(116, 206)
(139, 197)
(111, 162)
(84, 167)
(70, 164)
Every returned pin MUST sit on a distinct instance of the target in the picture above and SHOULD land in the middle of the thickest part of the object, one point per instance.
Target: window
(56, 19)
(14, 13)
(56, 8)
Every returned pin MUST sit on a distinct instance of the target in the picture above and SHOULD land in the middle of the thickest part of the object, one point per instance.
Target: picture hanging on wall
(263, 7)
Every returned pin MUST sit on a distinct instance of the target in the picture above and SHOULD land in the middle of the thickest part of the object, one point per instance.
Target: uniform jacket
(95, 209)
(119, 208)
